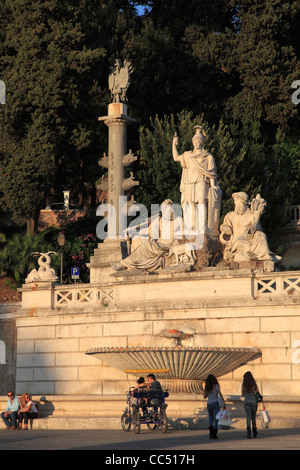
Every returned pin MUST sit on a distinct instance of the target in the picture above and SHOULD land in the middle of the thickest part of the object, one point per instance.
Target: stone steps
(184, 412)
(114, 423)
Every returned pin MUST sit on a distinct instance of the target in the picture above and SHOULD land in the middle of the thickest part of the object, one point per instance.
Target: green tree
(169, 75)
(253, 64)
(230, 64)
(47, 123)
(285, 171)
(16, 258)
(267, 62)
(80, 244)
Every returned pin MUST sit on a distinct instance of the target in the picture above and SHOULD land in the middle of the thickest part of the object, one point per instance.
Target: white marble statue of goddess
(200, 192)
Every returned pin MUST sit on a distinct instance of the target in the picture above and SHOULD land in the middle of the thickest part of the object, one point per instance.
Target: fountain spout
(177, 335)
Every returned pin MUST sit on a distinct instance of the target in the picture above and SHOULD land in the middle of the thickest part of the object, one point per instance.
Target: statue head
(167, 210)
(240, 202)
(118, 65)
(199, 136)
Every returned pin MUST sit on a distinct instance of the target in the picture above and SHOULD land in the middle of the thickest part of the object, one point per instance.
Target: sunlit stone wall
(221, 309)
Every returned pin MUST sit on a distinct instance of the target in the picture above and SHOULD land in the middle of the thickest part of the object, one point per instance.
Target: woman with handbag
(251, 395)
(213, 393)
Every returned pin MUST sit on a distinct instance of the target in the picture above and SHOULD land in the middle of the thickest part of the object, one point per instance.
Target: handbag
(221, 402)
(258, 397)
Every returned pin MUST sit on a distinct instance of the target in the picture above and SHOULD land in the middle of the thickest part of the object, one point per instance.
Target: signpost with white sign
(75, 273)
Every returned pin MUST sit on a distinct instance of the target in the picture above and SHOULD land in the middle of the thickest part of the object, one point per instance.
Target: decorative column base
(182, 386)
(109, 252)
(38, 295)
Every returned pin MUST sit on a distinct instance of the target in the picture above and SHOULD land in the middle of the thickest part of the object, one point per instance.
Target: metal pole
(61, 265)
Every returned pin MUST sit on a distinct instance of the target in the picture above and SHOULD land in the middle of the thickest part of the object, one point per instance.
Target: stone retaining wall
(219, 309)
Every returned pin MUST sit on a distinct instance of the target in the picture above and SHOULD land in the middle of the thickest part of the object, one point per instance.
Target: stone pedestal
(107, 253)
(44, 294)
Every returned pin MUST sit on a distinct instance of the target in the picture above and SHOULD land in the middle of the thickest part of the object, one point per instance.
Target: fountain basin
(187, 366)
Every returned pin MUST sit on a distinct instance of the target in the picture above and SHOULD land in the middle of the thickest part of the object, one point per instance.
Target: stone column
(114, 247)
(117, 122)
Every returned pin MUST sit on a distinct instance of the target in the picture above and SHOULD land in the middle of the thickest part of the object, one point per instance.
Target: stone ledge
(152, 306)
(181, 417)
(114, 423)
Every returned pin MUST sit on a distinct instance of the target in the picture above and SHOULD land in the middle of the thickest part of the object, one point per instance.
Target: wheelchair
(145, 409)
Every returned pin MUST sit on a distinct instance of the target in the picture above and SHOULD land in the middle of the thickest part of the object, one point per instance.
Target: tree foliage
(47, 125)
(16, 259)
(227, 64)
(239, 60)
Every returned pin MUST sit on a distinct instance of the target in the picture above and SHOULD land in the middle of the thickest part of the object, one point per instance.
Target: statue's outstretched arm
(175, 152)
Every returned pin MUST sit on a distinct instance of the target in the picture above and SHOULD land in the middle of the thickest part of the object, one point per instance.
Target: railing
(263, 285)
(293, 214)
(277, 284)
(79, 296)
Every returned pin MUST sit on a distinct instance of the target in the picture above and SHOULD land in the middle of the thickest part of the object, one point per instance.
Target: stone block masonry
(218, 309)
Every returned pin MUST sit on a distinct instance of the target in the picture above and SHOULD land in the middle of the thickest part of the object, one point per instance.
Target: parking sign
(75, 273)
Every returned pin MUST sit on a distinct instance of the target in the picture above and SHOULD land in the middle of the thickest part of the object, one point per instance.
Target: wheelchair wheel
(163, 422)
(126, 421)
(136, 422)
(152, 426)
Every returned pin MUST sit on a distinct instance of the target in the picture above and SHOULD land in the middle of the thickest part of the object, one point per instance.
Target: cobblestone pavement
(109, 441)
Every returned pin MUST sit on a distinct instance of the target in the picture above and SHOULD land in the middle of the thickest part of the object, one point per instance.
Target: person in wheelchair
(141, 392)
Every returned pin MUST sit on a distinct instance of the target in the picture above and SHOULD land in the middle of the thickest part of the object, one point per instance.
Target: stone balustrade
(277, 284)
(293, 214)
(260, 285)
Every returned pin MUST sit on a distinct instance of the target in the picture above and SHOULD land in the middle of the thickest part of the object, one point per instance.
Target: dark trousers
(26, 415)
(251, 409)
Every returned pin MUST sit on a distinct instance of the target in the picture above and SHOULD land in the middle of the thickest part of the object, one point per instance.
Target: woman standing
(212, 392)
(27, 411)
(249, 389)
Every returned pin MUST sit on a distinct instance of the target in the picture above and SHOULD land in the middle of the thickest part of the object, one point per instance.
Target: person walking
(212, 392)
(249, 389)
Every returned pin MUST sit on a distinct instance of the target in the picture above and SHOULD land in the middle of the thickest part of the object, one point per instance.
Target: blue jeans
(213, 409)
(11, 420)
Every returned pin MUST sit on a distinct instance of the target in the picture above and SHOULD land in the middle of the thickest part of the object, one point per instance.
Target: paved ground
(109, 441)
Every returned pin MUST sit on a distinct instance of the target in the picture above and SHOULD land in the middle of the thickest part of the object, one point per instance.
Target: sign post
(75, 273)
